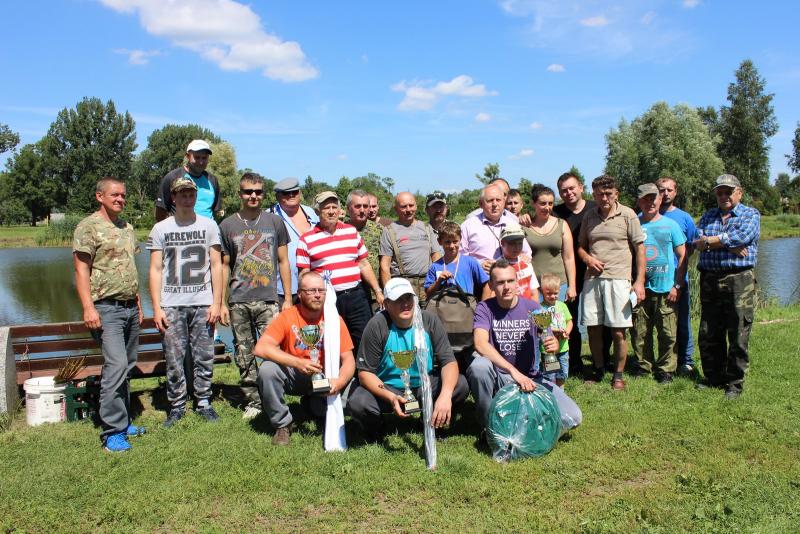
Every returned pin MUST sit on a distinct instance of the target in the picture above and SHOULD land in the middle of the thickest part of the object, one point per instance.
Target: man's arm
(83, 273)
(443, 407)
(374, 385)
(224, 312)
(385, 267)
(347, 368)
(594, 265)
(369, 277)
(268, 349)
(641, 268)
(680, 274)
(485, 348)
(285, 270)
(156, 267)
(568, 257)
(212, 316)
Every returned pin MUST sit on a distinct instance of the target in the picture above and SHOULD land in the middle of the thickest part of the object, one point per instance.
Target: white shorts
(606, 302)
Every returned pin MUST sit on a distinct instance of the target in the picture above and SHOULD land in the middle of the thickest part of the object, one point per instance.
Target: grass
(651, 459)
(775, 226)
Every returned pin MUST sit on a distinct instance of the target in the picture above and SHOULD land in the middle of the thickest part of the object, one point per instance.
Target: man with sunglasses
(254, 248)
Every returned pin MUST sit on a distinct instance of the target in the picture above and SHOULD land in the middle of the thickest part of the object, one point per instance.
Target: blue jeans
(685, 344)
(563, 359)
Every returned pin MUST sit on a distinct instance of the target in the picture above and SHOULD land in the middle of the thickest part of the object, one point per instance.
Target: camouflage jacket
(371, 234)
(112, 248)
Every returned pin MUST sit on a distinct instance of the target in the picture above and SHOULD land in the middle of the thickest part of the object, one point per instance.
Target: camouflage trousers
(655, 312)
(188, 332)
(727, 306)
(248, 321)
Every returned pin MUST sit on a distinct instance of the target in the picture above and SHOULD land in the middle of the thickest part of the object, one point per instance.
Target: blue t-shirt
(467, 270)
(205, 196)
(687, 226)
(660, 239)
(401, 339)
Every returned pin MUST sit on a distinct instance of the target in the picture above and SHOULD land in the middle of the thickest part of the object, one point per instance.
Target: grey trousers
(119, 342)
(188, 328)
(485, 381)
(274, 381)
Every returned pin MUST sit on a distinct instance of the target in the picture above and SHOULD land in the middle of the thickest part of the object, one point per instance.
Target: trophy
(543, 319)
(404, 359)
(311, 336)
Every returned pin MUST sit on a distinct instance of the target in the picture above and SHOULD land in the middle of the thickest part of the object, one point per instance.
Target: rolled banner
(423, 356)
(334, 416)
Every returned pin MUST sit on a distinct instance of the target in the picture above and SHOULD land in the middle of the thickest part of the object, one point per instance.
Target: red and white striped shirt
(338, 252)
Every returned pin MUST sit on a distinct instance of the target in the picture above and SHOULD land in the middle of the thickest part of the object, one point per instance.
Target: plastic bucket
(44, 401)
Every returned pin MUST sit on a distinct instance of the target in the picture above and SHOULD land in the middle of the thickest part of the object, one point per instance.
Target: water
(37, 285)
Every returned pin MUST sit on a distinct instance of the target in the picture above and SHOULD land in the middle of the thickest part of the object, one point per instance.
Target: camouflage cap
(182, 183)
(321, 198)
(727, 180)
(646, 189)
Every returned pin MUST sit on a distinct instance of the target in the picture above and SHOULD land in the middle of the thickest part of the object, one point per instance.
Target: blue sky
(424, 92)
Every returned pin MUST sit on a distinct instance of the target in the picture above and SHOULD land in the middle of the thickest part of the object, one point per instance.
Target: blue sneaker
(134, 430)
(117, 443)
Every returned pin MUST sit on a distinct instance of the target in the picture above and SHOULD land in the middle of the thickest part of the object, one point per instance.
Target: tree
(794, 157)
(83, 145)
(574, 171)
(8, 139)
(490, 172)
(30, 183)
(222, 164)
(664, 141)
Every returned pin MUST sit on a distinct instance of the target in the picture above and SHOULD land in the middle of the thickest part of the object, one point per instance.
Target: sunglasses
(313, 291)
(249, 192)
(290, 193)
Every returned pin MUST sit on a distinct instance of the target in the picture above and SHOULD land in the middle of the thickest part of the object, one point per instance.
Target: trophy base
(320, 385)
(549, 367)
(411, 407)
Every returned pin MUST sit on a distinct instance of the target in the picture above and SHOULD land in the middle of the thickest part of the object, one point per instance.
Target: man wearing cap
(610, 239)
(728, 246)
(663, 244)
(288, 366)
(436, 209)
(186, 290)
(209, 199)
(480, 234)
(511, 239)
(298, 219)
(336, 247)
(254, 244)
(369, 230)
(408, 246)
(380, 386)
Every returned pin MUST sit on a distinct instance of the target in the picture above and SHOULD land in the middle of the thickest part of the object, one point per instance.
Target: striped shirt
(338, 252)
(742, 228)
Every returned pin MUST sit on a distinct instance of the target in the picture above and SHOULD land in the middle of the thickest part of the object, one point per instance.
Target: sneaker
(618, 384)
(117, 443)
(732, 393)
(208, 413)
(175, 415)
(664, 378)
(251, 412)
(281, 436)
(686, 370)
(134, 430)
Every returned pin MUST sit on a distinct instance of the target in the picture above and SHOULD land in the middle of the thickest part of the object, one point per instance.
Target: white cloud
(364, 58)
(341, 157)
(536, 125)
(691, 3)
(421, 95)
(555, 67)
(524, 153)
(594, 22)
(483, 117)
(224, 32)
(137, 57)
(648, 17)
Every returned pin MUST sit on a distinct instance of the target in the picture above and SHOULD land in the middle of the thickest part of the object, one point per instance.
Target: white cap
(198, 145)
(396, 288)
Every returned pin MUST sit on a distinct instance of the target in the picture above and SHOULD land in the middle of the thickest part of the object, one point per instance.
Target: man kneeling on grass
(380, 388)
(288, 367)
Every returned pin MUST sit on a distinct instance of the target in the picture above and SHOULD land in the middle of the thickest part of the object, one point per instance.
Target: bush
(60, 232)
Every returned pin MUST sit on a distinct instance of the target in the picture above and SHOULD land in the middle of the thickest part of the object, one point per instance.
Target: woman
(551, 242)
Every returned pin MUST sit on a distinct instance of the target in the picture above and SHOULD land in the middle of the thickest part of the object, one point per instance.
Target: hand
(224, 315)
(559, 333)
(572, 294)
(442, 410)
(379, 298)
(141, 315)
(525, 220)
(307, 367)
(551, 345)
(212, 315)
(593, 265)
(673, 296)
(397, 405)
(337, 386)
(739, 251)
(486, 265)
(287, 303)
(699, 244)
(92, 319)
(443, 276)
(639, 290)
(525, 383)
(160, 319)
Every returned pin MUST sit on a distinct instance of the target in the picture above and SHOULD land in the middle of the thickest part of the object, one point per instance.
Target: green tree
(30, 183)
(490, 172)
(524, 188)
(222, 164)
(664, 141)
(8, 139)
(794, 157)
(85, 144)
(574, 171)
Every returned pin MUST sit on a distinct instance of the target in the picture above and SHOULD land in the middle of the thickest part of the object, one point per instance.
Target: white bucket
(44, 401)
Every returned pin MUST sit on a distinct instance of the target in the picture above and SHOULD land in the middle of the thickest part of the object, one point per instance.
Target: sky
(425, 92)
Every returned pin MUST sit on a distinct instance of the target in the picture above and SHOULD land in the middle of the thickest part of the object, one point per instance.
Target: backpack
(456, 310)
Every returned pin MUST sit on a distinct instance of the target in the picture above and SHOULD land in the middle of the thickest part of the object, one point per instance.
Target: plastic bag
(522, 425)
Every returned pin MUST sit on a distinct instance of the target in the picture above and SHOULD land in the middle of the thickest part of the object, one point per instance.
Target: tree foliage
(664, 141)
(794, 157)
(490, 172)
(8, 138)
(31, 183)
(222, 164)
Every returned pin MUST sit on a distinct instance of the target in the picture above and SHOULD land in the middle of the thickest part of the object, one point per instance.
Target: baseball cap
(396, 288)
(647, 189)
(727, 180)
(512, 231)
(287, 185)
(198, 145)
(322, 197)
(433, 198)
(182, 183)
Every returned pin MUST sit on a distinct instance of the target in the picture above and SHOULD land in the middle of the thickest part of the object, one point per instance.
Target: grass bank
(650, 459)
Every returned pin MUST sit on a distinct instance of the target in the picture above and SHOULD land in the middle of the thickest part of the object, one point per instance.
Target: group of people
(268, 272)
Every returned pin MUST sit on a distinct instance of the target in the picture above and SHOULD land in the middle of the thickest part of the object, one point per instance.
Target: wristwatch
(677, 286)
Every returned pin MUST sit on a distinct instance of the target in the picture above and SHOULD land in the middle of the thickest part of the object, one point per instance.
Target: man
(209, 199)
(664, 282)
(288, 367)
(480, 235)
(186, 290)
(358, 206)
(728, 249)
(436, 209)
(108, 287)
(298, 219)
(611, 237)
(668, 189)
(507, 343)
(380, 387)
(408, 247)
(514, 202)
(254, 244)
(505, 188)
(334, 246)
(372, 214)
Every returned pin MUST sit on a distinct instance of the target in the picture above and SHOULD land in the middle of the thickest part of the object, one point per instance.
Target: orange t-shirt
(284, 331)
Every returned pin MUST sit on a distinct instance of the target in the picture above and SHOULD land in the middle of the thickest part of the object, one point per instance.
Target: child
(511, 239)
(561, 325)
(454, 267)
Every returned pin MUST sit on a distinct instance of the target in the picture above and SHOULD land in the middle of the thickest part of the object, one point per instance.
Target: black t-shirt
(574, 221)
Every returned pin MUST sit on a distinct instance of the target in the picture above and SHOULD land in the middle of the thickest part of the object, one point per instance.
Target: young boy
(511, 239)
(455, 268)
(561, 325)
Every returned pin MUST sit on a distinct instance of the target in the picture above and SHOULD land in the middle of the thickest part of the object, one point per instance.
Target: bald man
(408, 246)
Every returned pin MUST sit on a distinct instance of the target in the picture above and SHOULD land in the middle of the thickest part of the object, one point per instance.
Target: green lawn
(650, 459)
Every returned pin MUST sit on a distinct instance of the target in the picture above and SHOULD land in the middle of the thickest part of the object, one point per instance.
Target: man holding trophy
(389, 379)
(292, 347)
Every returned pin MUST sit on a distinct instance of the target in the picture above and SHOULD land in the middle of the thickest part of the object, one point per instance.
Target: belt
(356, 287)
(130, 303)
(723, 272)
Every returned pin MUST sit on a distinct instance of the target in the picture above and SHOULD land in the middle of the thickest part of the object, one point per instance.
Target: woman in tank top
(551, 242)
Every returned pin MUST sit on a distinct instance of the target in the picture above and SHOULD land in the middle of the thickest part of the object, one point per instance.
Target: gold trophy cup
(311, 336)
(404, 359)
(543, 319)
